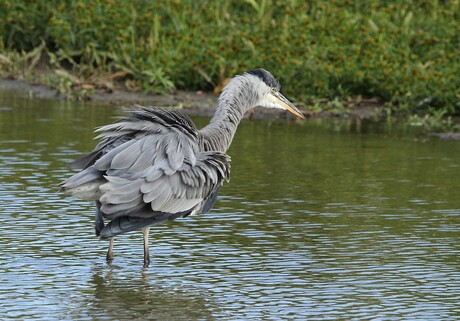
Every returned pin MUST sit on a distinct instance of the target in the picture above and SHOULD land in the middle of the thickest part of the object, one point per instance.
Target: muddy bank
(190, 102)
(199, 103)
(447, 136)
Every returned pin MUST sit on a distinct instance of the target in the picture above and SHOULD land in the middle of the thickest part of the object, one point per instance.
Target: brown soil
(447, 136)
(192, 103)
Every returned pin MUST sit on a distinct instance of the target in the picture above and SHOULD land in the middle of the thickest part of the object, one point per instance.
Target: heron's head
(267, 91)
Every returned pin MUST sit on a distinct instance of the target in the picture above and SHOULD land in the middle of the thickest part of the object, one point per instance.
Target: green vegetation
(407, 53)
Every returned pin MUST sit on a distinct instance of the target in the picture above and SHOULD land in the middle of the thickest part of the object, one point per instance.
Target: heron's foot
(145, 232)
(146, 261)
(109, 256)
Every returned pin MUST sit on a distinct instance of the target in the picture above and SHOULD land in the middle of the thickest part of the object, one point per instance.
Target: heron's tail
(84, 184)
(124, 224)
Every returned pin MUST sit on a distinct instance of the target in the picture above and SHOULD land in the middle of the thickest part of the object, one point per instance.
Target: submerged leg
(109, 256)
(145, 232)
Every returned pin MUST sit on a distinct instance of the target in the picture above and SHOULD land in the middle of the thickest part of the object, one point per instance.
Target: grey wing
(142, 125)
(160, 169)
(161, 189)
(123, 224)
(101, 149)
(139, 121)
(148, 164)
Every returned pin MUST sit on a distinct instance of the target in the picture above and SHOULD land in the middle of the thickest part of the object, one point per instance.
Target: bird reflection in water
(119, 296)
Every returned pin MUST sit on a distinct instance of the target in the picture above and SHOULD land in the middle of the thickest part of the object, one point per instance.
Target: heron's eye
(274, 89)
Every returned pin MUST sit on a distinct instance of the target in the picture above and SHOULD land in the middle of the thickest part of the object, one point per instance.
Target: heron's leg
(109, 256)
(145, 232)
(99, 220)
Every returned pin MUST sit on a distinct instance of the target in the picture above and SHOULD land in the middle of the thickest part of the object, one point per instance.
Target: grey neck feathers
(238, 97)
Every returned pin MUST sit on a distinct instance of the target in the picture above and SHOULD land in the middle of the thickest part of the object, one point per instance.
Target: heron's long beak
(284, 103)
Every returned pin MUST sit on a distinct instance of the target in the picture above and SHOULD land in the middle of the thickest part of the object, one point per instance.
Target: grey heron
(154, 165)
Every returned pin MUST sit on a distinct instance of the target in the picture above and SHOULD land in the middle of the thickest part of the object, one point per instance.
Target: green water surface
(322, 220)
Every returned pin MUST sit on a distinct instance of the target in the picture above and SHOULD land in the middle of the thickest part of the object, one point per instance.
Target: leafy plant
(405, 53)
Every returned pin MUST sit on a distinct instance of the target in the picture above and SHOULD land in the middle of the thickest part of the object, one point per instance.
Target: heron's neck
(232, 105)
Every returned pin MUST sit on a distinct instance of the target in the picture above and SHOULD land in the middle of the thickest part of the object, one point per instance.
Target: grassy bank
(406, 53)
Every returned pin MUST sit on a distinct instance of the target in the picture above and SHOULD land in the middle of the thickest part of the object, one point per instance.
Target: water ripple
(376, 247)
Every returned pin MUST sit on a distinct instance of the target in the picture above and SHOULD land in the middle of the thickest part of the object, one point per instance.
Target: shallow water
(322, 220)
